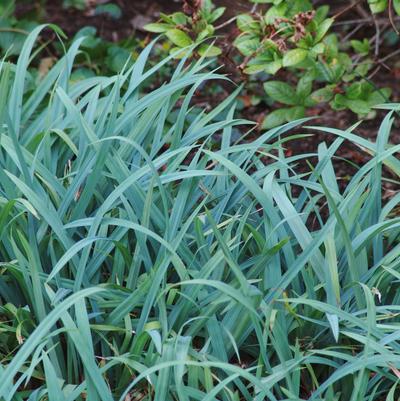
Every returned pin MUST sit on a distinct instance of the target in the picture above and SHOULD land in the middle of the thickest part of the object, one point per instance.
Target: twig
(348, 8)
(373, 73)
(224, 24)
(361, 11)
(395, 53)
(15, 30)
(362, 21)
(377, 37)
(352, 32)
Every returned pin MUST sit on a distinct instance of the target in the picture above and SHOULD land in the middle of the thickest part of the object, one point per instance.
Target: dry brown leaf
(45, 65)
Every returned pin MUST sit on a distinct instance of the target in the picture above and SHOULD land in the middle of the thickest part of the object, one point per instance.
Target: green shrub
(297, 37)
(193, 27)
(379, 6)
(141, 259)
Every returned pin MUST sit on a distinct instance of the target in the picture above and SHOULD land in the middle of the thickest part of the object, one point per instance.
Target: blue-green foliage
(143, 259)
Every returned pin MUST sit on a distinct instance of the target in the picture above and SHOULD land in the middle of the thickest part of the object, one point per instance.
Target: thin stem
(224, 24)
(352, 32)
(362, 21)
(15, 30)
(377, 37)
(348, 8)
(395, 53)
